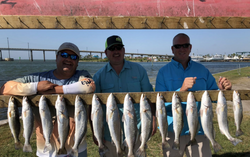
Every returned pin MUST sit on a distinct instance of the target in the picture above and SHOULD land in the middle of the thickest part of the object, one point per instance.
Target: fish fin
(27, 148)
(217, 147)
(235, 141)
(47, 147)
(74, 153)
(176, 146)
(62, 151)
(156, 113)
(176, 111)
(239, 132)
(18, 145)
(123, 118)
(140, 152)
(201, 113)
(10, 114)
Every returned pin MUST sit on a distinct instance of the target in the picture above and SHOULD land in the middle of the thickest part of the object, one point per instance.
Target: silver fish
(97, 120)
(161, 115)
(130, 124)
(28, 123)
(46, 120)
(221, 111)
(178, 123)
(114, 124)
(238, 112)
(63, 123)
(146, 125)
(192, 118)
(80, 125)
(14, 123)
(206, 114)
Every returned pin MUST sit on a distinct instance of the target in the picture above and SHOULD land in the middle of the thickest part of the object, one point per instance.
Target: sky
(149, 41)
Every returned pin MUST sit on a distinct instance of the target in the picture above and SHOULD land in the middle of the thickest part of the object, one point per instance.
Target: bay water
(10, 70)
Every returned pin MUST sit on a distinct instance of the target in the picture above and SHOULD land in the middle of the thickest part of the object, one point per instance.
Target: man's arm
(25, 89)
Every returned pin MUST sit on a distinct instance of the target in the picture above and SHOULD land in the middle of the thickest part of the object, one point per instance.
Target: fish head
(60, 103)
(221, 101)
(191, 100)
(111, 103)
(205, 100)
(25, 103)
(175, 101)
(11, 104)
(128, 104)
(236, 97)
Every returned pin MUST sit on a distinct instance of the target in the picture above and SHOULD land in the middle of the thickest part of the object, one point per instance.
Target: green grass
(154, 145)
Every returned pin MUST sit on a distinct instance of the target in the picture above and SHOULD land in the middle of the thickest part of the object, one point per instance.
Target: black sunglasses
(117, 47)
(66, 55)
(178, 46)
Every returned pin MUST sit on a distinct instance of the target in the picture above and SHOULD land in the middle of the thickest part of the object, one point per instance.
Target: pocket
(108, 88)
(134, 87)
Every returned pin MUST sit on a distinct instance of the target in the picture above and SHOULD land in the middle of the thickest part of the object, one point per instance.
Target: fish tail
(27, 148)
(140, 152)
(235, 141)
(176, 145)
(165, 145)
(120, 153)
(47, 147)
(73, 153)
(239, 132)
(217, 147)
(103, 150)
(62, 151)
(18, 145)
(192, 142)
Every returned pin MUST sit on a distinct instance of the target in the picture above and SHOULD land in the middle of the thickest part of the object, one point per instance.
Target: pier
(81, 51)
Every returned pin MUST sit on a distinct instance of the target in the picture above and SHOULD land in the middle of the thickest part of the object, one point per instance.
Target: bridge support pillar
(31, 56)
(44, 55)
(1, 58)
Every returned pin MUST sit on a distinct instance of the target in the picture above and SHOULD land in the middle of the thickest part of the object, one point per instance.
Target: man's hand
(44, 86)
(224, 84)
(188, 83)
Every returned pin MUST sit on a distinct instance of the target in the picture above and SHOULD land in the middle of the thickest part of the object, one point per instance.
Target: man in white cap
(65, 79)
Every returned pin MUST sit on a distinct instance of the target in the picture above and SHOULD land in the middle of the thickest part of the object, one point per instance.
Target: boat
(215, 58)
(197, 58)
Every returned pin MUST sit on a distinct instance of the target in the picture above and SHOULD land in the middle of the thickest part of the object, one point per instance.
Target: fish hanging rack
(87, 98)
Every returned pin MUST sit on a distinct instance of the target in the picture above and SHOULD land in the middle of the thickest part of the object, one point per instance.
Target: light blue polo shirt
(170, 78)
(132, 78)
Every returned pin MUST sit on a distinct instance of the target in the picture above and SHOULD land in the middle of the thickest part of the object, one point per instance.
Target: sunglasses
(66, 55)
(117, 47)
(178, 46)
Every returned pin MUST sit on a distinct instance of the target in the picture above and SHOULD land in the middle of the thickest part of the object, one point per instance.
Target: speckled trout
(192, 118)
(80, 125)
(46, 120)
(62, 122)
(238, 112)
(28, 123)
(130, 125)
(206, 114)
(221, 111)
(97, 122)
(146, 125)
(178, 123)
(161, 115)
(14, 122)
(114, 124)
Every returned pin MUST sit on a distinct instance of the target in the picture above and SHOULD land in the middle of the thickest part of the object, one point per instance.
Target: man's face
(66, 64)
(115, 54)
(181, 48)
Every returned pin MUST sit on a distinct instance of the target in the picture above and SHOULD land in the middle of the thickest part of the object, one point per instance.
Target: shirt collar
(125, 66)
(177, 64)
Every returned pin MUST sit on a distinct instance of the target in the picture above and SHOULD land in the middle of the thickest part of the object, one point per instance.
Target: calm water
(16, 69)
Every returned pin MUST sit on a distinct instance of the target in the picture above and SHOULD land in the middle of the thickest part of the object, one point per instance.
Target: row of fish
(129, 121)
(80, 118)
(206, 116)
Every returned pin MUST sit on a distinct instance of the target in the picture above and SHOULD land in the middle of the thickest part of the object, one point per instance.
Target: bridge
(81, 51)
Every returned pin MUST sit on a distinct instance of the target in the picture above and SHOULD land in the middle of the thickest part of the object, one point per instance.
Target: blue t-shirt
(132, 78)
(49, 76)
(171, 77)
